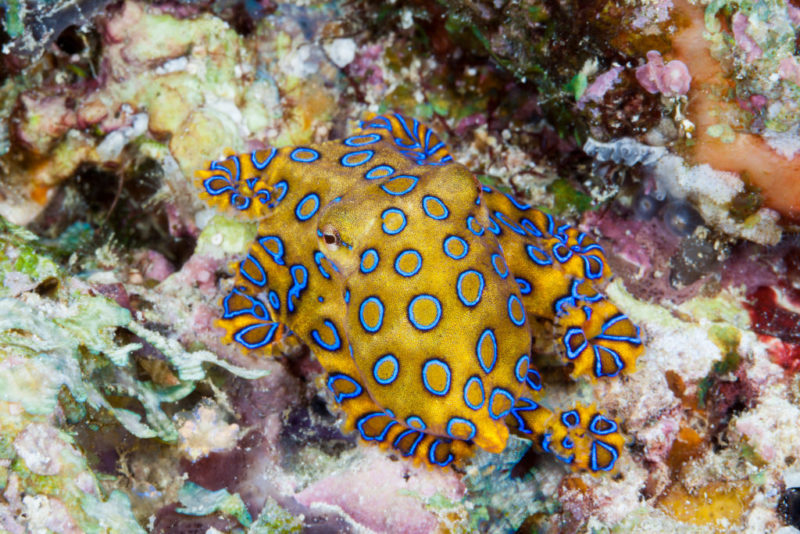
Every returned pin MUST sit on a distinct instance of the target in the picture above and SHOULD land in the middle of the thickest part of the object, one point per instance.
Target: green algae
(568, 199)
(223, 236)
(199, 501)
(62, 354)
(274, 519)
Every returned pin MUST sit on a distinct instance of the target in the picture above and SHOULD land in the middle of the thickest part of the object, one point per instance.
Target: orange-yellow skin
(416, 288)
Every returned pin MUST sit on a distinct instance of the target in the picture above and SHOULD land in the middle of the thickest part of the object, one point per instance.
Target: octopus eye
(331, 237)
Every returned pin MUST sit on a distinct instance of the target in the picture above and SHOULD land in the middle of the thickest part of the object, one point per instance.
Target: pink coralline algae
(671, 79)
(788, 69)
(744, 41)
(601, 85)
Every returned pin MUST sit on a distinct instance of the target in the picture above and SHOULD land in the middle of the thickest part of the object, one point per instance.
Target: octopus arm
(584, 439)
(376, 425)
(238, 183)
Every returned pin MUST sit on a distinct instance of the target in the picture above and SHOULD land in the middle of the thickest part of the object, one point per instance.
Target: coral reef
(666, 130)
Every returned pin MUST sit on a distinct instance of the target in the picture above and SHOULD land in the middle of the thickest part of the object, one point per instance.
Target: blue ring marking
(402, 121)
(240, 202)
(558, 255)
(560, 305)
(587, 267)
(320, 299)
(297, 285)
(364, 325)
(347, 296)
(375, 124)
(341, 396)
(388, 358)
(415, 422)
(369, 174)
(408, 274)
(256, 309)
(461, 296)
(432, 455)
(523, 404)
(568, 335)
(457, 420)
(441, 364)
(598, 419)
(304, 155)
(471, 223)
(483, 393)
(274, 300)
(427, 142)
(382, 435)
(578, 295)
(260, 283)
(546, 439)
(495, 258)
(277, 256)
(503, 393)
(318, 256)
(431, 151)
(415, 155)
(521, 369)
(430, 198)
(266, 340)
(401, 193)
(550, 224)
(611, 322)
(487, 368)
(263, 196)
(571, 419)
(531, 228)
(209, 187)
(414, 320)
(413, 448)
(533, 379)
(486, 189)
(262, 165)
(588, 248)
(362, 140)
(593, 462)
(345, 160)
(511, 226)
(519, 321)
(538, 256)
(217, 166)
(371, 252)
(567, 443)
(284, 188)
(301, 207)
(402, 226)
(525, 287)
(337, 342)
(517, 204)
(598, 362)
(464, 244)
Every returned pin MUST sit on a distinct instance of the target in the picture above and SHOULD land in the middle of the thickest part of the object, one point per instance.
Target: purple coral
(671, 79)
